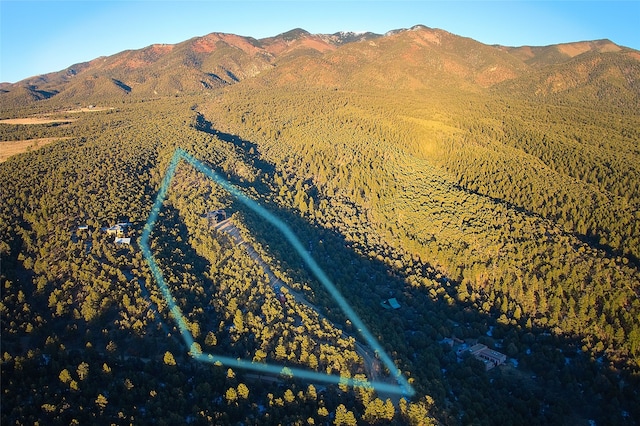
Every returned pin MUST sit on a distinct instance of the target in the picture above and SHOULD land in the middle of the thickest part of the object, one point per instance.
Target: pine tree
(65, 376)
(211, 339)
(101, 402)
(231, 395)
(83, 370)
(169, 359)
(344, 417)
(243, 391)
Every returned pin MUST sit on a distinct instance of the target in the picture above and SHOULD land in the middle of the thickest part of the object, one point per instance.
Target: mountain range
(414, 58)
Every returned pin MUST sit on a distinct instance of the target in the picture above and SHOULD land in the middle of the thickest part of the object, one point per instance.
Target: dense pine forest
(494, 193)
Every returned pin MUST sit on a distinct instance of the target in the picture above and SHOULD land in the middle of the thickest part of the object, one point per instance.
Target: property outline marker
(402, 387)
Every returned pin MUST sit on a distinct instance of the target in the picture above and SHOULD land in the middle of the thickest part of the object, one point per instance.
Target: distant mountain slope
(540, 56)
(413, 59)
(408, 59)
(422, 57)
(595, 79)
(198, 64)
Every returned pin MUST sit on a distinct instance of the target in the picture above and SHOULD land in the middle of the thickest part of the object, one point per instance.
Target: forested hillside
(493, 192)
(516, 232)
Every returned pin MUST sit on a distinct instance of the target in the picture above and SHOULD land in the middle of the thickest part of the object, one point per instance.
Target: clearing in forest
(11, 148)
(54, 117)
(37, 120)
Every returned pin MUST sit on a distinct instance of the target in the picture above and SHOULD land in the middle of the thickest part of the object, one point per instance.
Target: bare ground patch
(51, 117)
(36, 120)
(11, 148)
(92, 109)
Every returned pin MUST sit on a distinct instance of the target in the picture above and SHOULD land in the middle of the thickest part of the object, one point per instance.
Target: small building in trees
(390, 303)
(489, 357)
(217, 216)
(120, 230)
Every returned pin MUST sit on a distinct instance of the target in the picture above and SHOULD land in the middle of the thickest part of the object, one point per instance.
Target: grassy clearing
(12, 148)
(87, 109)
(36, 120)
(54, 117)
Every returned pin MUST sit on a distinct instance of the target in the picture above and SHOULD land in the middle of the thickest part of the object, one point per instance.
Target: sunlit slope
(198, 65)
(533, 139)
(412, 59)
(540, 56)
(607, 80)
(530, 239)
(409, 60)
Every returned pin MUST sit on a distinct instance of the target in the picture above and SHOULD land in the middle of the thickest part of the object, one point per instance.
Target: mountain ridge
(412, 58)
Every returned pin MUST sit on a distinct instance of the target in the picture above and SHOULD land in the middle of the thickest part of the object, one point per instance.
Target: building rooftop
(390, 304)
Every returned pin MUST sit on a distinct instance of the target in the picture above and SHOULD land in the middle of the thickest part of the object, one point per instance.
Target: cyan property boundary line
(402, 387)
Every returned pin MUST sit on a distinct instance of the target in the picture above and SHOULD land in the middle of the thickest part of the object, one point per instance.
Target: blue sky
(45, 36)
